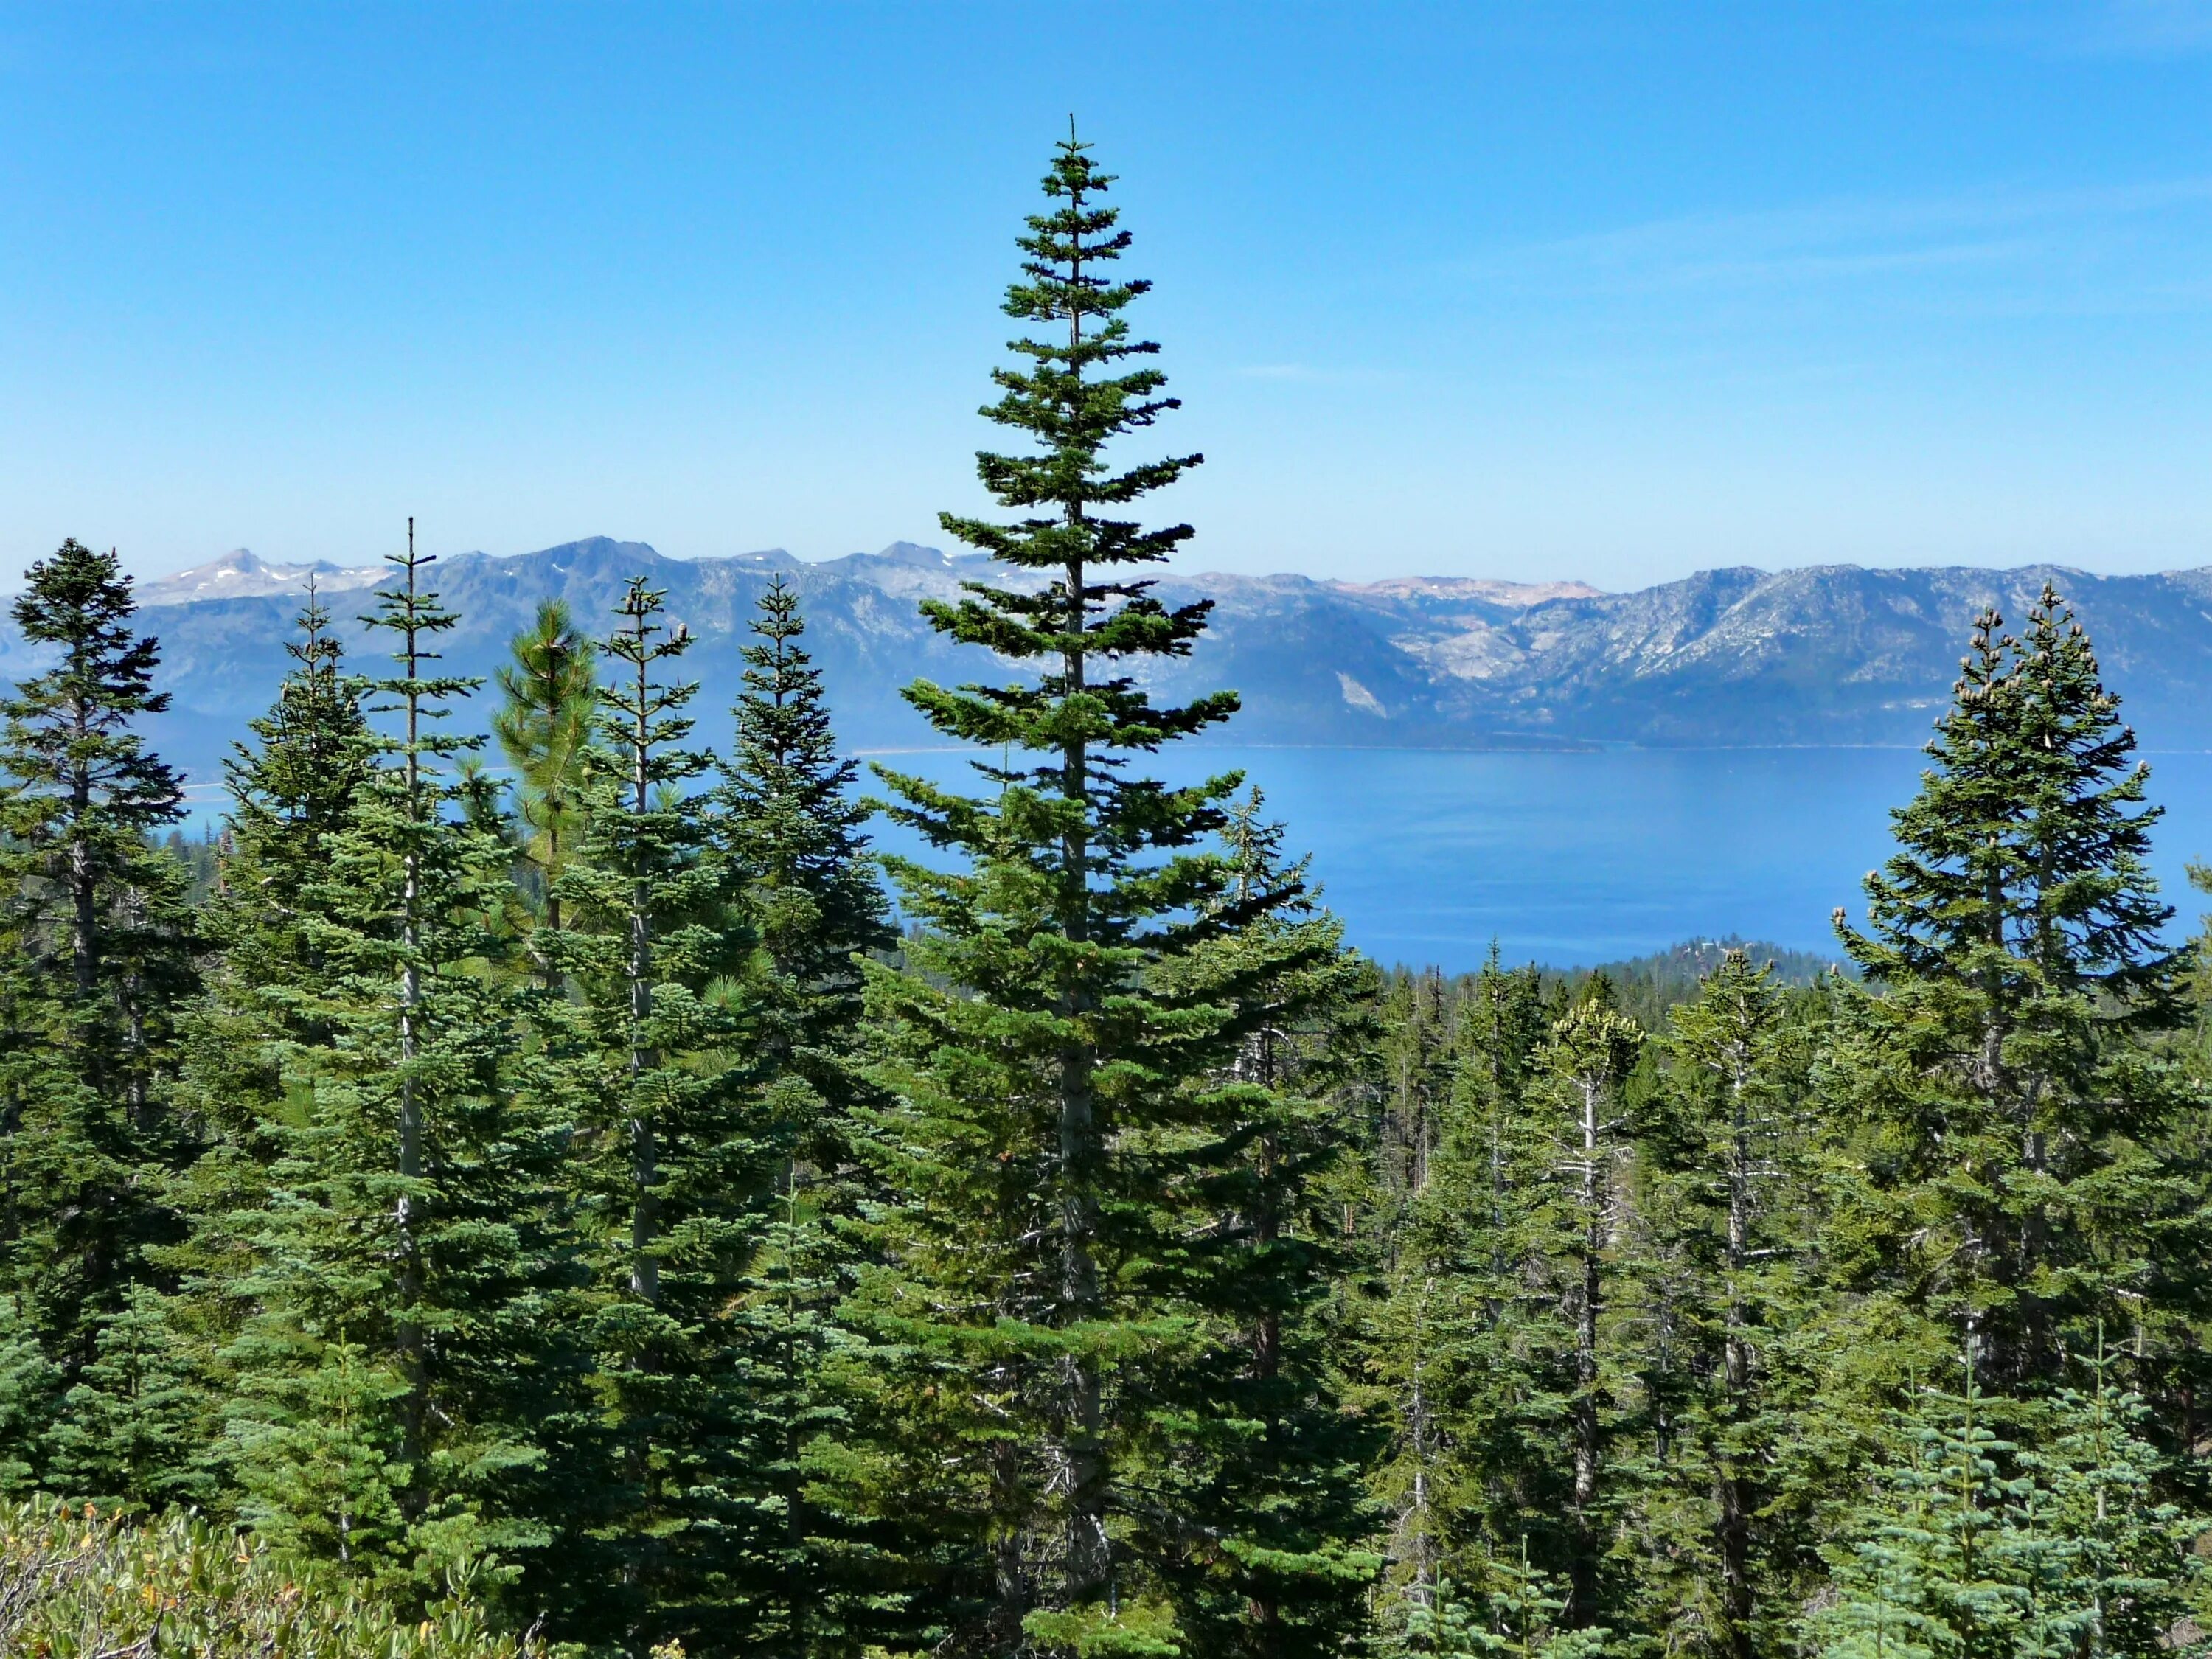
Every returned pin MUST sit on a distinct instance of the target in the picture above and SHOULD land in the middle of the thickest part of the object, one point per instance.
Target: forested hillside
(557, 1204)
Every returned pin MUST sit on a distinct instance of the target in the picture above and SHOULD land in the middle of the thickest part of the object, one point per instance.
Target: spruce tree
(1592, 1048)
(291, 790)
(1028, 1307)
(1469, 1352)
(793, 827)
(101, 958)
(1721, 1292)
(1973, 1546)
(1276, 1463)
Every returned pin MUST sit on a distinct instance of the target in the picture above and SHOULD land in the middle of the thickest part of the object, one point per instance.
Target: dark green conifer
(1721, 1295)
(544, 726)
(792, 831)
(1274, 1464)
(673, 1177)
(403, 1362)
(100, 958)
(1034, 1329)
(2010, 1125)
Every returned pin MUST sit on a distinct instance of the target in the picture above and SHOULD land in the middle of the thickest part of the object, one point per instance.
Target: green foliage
(2015, 941)
(397, 1364)
(76, 1583)
(544, 726)
(1060, 1138)
(98, 959)
(1973, 1546)
(665, 1169)
(599, 1221)
(791, 829)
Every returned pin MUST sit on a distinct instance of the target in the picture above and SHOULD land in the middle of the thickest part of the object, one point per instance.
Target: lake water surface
(1578, 857)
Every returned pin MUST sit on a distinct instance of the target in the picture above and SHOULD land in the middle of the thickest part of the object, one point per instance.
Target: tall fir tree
(673, 1186)
(1275, 1462)
(401, 1363)
(1034, 1334)
(791, 828)
(2010, 1125)
(1592, 1048)
(291, 788)
(101, 958)
(1721, 1291)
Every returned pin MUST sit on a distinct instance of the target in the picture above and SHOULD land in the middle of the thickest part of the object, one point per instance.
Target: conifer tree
(1973, 1546)
(791, 829)
(101, 958)
(2015, 943)
(672, 1172)
(1276, 1464)
(544, 728)
(1470, 1352)
(794, 829)
(1592, 1048)
(401, 1366)
(1043, 1057)
(1723, 1192)
(291, 791)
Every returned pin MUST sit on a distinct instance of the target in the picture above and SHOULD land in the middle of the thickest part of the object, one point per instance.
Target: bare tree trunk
(1585, 1407)
(411, 1358)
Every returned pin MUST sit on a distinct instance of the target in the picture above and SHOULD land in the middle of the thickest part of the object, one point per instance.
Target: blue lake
(1579, 858)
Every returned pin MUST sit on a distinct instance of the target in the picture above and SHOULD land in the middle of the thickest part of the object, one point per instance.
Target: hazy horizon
(1184, 567)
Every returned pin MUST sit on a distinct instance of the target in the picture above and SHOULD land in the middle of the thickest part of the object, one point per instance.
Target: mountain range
(1827, 655)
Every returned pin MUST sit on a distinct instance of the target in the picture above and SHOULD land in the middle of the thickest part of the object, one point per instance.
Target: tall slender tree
(670, 1167)
(2010, 1124)
(100, 959)
(402, 1364)
(1592, 1048)
(291, 789)
(1043, 1056)
(791, 829)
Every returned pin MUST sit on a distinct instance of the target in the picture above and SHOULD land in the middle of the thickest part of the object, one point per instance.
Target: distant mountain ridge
(1824, 655)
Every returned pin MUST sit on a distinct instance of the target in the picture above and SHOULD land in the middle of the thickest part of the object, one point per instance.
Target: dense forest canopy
(554, 1205)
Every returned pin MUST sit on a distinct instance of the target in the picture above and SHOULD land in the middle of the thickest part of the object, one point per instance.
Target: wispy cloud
(2126, 248)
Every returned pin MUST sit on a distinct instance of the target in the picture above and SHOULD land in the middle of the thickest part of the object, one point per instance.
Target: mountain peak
(243, 573)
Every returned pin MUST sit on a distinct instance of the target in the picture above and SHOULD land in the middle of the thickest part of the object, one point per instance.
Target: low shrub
(77, 1584)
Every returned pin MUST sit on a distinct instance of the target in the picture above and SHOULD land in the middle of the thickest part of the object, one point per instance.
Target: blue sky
(1529, 291)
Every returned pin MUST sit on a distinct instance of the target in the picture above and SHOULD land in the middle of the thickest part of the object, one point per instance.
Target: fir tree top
(69, 730)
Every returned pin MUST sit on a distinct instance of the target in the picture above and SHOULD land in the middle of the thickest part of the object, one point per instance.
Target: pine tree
(2011, 1122)
(402, 1369)
(291, 789)
(545, 729)
(1470, 1352)
(101, 958)
(671, 1171)
(1032, 1330)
